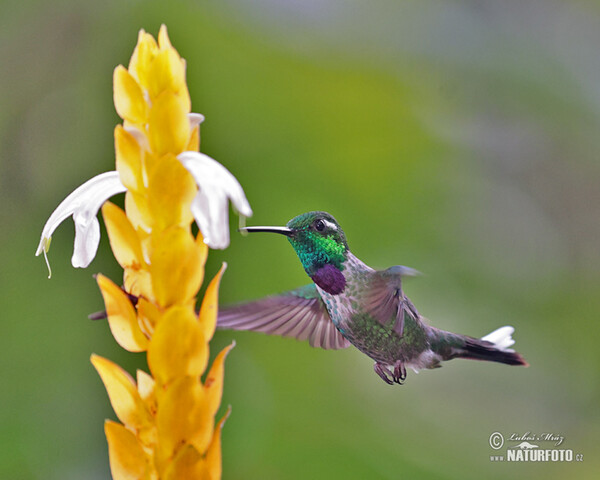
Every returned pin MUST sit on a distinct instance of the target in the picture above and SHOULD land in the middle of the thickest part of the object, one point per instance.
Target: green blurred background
(460, 138)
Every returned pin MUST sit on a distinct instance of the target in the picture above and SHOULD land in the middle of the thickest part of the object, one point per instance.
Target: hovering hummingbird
(351, 303)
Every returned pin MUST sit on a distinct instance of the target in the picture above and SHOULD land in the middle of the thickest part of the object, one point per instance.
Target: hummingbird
(350, 303)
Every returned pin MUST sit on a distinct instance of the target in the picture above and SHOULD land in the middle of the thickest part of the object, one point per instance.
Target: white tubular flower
(216, 186)
(83, 204)
(195, 119)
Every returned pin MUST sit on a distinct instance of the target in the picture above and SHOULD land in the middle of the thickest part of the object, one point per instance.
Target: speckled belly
(377, 340)
(381, 342)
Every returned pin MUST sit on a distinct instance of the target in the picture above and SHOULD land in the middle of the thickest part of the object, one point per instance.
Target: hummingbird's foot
(382, 370)
(399, 373)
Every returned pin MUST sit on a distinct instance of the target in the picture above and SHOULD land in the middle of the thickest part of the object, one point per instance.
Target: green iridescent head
(317, 238)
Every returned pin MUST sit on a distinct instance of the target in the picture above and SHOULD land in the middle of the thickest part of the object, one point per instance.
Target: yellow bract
(210, 304)
(171, 189)
(148, 314)
(183, 418)
(143, 55)
(128, 460)
(167, 73)
(189, 463)
(122, 317)
(123, 393)
(158, 67)
(213, 454)
(177, 267)
(129, 98)
(214, 380)
(168, 417)
(178, 347)
(128, 155)
(138, 283)
(145, 384)
(124, 240)
(168, 126)
(136, 207)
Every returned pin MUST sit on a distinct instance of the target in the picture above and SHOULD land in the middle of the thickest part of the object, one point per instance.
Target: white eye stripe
(330, 225)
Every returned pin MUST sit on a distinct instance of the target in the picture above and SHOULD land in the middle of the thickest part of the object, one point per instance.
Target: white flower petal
(83, 204)
(87, 239)
(215, 204)
(216, 185)
(195, 119)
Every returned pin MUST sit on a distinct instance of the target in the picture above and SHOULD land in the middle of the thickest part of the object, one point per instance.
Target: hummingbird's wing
(385, 299)
(299, 313)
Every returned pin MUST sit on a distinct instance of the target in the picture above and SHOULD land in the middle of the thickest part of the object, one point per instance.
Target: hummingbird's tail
(493, 347)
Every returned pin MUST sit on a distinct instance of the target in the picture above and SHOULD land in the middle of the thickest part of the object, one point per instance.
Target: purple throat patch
(330, 279)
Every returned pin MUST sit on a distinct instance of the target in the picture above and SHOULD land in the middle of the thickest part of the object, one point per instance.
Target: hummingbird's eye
(319, 225)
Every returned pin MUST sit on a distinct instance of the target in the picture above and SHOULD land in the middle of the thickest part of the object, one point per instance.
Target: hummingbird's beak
(282, 230)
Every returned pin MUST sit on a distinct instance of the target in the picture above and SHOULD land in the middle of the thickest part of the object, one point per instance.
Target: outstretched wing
(299, 313)
(385, 299)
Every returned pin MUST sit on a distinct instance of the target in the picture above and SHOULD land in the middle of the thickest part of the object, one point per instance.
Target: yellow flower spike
(178, 347)
(182, 417)
(122, 391)
(213, 455)
(176, 267)
(168, 124)
(171, 189)
(188, 463)
(210, 304)
(123, 238)
(127, 458)
(144, 53)
(213, 385)
(128, 159)
(128, 97)
(122, 317)
(168, 415)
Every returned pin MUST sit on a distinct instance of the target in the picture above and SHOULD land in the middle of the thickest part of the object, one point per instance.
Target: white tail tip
(501, 338)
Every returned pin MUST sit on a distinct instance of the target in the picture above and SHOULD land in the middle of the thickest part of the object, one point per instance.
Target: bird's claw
(399, 373)
(398, 376)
